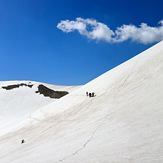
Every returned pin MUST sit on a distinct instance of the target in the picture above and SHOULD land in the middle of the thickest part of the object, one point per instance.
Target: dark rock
(50, 93)
(9, 87)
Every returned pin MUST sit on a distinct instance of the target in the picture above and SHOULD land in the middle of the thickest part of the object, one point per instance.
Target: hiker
(22, 141)
(93, 94)
(87, 93)
(90, 95)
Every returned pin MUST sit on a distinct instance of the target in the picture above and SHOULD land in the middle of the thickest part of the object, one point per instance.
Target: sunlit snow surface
(123, 123)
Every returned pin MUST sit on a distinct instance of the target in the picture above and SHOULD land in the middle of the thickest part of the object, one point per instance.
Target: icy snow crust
(122, 124)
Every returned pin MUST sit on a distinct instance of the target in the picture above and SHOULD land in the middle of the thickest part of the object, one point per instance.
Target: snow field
(122, 124)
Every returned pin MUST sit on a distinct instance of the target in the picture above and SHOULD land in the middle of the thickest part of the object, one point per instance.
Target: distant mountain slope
(19, 98)
(123, 123)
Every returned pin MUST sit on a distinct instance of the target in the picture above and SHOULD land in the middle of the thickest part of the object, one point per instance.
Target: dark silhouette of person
(23, 141)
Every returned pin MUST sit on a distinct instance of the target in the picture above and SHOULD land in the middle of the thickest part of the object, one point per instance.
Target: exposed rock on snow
(50, 93)
(9, 87)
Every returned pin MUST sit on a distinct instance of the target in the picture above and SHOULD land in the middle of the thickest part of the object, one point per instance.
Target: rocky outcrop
(50, 93)
(47, 92)
(9, 87)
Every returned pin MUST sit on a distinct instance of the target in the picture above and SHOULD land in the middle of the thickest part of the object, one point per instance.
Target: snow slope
(122, 124)
(21, 101)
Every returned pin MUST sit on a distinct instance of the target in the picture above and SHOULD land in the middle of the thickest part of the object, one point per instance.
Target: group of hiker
(90, 94)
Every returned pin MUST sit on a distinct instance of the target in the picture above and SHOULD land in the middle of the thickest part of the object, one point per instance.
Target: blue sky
(71, 42)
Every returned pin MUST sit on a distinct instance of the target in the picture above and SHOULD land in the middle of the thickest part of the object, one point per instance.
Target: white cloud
(87, 27)
(145, 34)
(98, 31)
(69, 26)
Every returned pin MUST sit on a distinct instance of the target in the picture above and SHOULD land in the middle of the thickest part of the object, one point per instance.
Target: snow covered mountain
(123, 123)
(21, 98)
